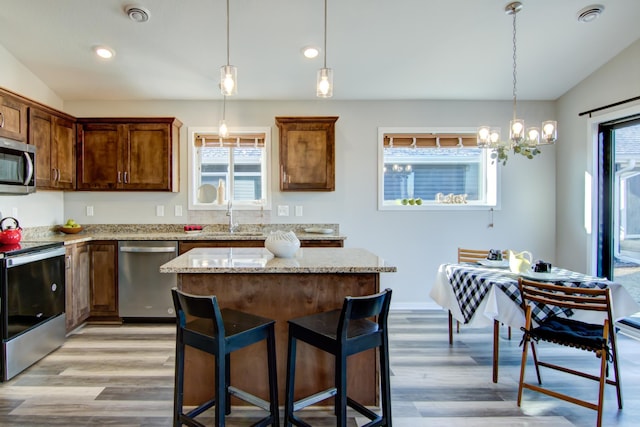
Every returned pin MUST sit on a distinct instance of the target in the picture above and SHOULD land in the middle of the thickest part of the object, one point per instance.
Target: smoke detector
(137, 13)
(590, 13)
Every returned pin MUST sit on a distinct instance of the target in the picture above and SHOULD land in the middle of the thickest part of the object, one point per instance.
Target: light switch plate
(283, 210)
(178, 210)
(89, 210)
(298, 210)
(160, 210)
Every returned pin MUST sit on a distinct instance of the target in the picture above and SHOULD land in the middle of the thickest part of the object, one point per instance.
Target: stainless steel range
(32, 299)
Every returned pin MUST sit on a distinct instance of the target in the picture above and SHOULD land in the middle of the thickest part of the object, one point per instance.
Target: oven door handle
(14, 261)
(142, 249)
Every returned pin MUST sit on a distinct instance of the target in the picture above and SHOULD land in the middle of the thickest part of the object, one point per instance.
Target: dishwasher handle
(142, 249)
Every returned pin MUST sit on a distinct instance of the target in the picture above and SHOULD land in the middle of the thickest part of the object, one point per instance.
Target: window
(434, 169)
(240, 162)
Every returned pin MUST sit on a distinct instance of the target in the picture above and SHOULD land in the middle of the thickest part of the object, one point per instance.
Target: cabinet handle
(1, 119)
(284, 174)
(119, 173)
(67, 262)
(126, 178)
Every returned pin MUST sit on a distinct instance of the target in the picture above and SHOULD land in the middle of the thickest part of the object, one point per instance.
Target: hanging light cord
(514, 64)
(325, 33)
(228, 32)
(224, 107)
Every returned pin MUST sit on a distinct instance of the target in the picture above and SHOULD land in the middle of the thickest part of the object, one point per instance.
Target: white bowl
(281, 244)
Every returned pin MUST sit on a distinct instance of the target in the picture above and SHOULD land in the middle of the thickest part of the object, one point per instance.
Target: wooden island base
(281, 296)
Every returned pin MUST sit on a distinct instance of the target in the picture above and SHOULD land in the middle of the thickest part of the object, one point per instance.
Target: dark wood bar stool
(202, 325)
(342, 333)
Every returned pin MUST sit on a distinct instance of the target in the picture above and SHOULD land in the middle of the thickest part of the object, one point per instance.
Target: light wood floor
(123, 376)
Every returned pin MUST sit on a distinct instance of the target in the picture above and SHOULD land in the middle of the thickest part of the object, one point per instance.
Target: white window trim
(193, 172)
(491, 166)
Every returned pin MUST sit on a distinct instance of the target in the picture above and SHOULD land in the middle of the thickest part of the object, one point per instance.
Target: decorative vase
(282, 244)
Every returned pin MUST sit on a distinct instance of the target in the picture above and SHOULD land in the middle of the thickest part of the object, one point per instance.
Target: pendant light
(228, 73)
(223, 130)
(521, 140)
(324, 84)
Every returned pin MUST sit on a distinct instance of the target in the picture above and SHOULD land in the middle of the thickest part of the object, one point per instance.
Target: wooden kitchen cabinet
(13, 117)
(139, 154)
(307, 153)
(54, 137)
(103, 279)
(77, 304)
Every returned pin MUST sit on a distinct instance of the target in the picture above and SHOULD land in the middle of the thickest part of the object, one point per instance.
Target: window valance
(429, 140)
(253, 140)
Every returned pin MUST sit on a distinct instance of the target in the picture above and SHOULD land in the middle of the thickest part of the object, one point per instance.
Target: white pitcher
(520, 262)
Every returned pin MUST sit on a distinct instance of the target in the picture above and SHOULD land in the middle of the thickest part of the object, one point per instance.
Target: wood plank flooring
(123, 376)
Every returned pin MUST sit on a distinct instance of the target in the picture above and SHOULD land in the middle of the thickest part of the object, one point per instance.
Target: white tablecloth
(496, 305)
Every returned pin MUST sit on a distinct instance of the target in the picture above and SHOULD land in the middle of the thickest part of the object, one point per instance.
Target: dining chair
(600, 339)
(470, 255)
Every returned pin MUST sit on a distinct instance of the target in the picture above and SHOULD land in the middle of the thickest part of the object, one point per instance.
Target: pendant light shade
(324, 83)
(228, 79)
(324, 88)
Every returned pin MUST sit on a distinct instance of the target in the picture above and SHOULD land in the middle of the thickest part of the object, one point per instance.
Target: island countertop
(260, 260)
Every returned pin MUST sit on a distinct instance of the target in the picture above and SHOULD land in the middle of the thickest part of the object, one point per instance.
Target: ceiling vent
(137, 13)
(590, 13)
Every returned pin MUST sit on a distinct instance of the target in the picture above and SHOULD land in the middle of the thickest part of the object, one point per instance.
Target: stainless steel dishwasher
(144, 292)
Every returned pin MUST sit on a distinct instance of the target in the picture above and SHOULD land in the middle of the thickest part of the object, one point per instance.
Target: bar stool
(343, 333)
(202, 325)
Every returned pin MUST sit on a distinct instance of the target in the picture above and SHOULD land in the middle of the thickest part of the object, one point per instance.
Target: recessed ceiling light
(590, 13)
(137, 13)
(310, 52)
(104, 52)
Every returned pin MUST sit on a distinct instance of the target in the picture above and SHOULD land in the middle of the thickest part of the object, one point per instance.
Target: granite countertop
(176, 232)
(260, 260)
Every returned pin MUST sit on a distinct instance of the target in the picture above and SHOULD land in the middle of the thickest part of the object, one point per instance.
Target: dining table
(485, 294)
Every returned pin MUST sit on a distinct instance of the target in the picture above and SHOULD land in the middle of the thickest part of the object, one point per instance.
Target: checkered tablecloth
(471, 283)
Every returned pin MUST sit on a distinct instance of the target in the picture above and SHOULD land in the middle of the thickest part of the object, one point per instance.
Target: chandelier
(524, 141)
(228, 85)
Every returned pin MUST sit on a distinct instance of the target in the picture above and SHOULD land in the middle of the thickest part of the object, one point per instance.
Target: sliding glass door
(619, 202)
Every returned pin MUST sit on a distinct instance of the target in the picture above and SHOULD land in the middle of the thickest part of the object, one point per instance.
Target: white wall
(416, 242)
(42, 208)
(616, 81)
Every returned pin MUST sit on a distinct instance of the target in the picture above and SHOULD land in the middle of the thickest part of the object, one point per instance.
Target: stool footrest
(314, 398)
(200, 409)
(249, 398)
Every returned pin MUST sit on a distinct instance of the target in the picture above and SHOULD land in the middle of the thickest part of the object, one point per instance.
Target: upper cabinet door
(307, 153)
(138, 154)
(13, 118)
(98, 156)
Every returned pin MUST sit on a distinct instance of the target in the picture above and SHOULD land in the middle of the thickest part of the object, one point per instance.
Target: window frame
(194, 170)
(490, 167)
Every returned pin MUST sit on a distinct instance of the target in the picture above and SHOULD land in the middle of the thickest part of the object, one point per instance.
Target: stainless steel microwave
(17, 167)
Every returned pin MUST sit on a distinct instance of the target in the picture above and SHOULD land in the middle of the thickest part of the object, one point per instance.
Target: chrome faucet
(232, 226)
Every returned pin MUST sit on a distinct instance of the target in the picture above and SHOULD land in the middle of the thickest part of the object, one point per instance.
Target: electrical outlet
(178, 210)
(89, 210)
(283, 210)
(160, 210)
(298, 210)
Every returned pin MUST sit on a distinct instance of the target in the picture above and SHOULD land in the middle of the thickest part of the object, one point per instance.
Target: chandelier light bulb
(517, 131)
(483, 136)
(494, 136)
(533, 136)
(550, 131)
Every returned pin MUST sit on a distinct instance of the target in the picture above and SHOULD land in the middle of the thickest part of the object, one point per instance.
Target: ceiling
(378, 49)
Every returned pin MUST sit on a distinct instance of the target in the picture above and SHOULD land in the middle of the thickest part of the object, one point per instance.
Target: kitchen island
(253, 280)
